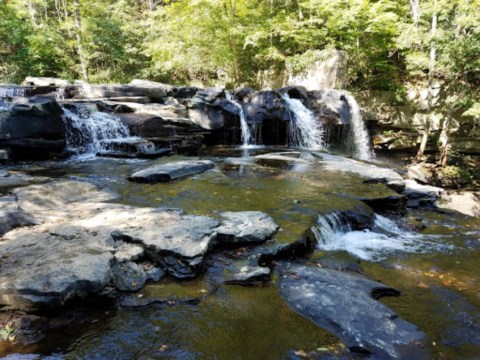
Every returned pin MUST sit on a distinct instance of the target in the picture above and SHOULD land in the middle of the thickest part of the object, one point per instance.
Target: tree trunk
(431, 71)
(78, 38)
(444, 143)
(423, 143)
(415, 11)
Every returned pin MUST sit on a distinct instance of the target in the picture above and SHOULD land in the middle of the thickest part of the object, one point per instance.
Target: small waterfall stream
(305, 130)
(246, 134)
(89, 131)
(358, 132)
(334, 233)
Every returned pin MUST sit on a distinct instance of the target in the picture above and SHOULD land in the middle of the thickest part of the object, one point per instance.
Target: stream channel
(434, 263)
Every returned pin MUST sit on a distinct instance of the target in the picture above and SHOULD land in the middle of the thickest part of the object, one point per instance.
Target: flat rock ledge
(77, 245)
(245, 227)
(371, 172)
(345, 304)
(171, 171)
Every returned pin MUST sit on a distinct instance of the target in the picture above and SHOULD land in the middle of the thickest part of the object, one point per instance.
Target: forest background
(390, 45)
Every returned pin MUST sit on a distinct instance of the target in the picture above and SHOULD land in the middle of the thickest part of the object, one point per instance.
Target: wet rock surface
(372, 172)
(345, 303)
(83, 246)
(171, 171)
(249, 275)
(245, 227)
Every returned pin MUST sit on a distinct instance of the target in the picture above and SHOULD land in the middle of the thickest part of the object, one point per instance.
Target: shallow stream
(439, 279)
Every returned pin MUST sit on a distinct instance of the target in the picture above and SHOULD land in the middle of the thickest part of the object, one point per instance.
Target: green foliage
(232, 41)
(6, 332)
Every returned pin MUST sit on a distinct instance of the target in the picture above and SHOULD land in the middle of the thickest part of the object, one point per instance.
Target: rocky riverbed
(77, 234)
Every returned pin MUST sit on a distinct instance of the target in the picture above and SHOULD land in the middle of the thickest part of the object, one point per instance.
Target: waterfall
(333, 233)
(246, 134)
(358, 132)
(88, 130)
(304, 130)
(9, 92)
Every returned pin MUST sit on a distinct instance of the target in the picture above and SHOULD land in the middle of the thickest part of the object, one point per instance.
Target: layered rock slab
(171, 171)
(373, 173)
(345, 304)
(83, 247)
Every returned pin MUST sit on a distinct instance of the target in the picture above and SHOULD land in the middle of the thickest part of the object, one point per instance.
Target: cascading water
(10, 92)
(304, 130)
(89, 131)
(7, 94)
(246, 134)
(358, 132)
(335, 234)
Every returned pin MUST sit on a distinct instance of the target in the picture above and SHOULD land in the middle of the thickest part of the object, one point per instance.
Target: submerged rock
(345, 304)
(371, 172)
(245, 227)
(171, 171)
(249, 276)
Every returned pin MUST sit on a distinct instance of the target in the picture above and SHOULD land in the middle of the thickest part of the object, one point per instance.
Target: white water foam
(305, 130)
(246, 134)
(89, 131)
(9, 92)
(386, 237)
(359, 133)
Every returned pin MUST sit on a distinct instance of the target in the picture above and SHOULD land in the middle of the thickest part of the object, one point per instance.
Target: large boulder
(330, 106)
(346, 304)
(210, 110)
(265, 105)
(32, 127)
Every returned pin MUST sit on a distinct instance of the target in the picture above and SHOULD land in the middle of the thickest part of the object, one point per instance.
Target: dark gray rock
(245, 227)
(331, 106)
(212, 115)
(345, 304)
(241, 93)
(32, 128)
(128, 276)
(386, 204)
(297, 92)
(184, 92)
(265, 105)
(171, 171)
(36, 106)
(421, 195)
(209, 95)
